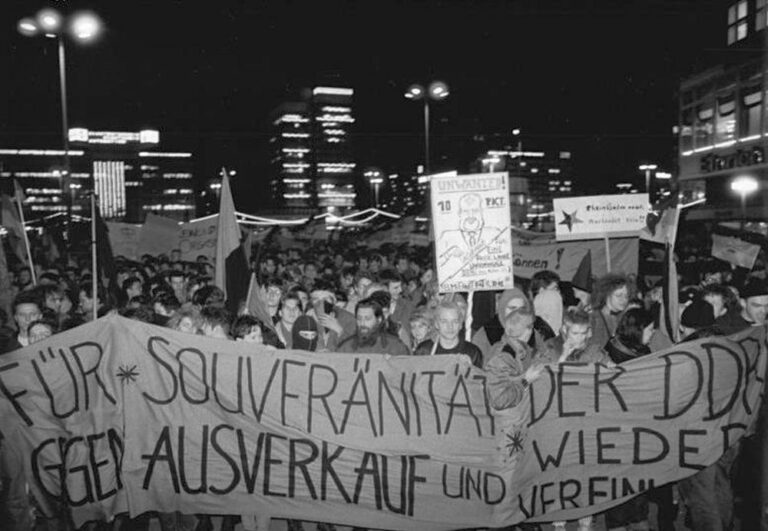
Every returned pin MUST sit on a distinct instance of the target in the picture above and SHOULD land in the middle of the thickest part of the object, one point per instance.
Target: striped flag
(231, 273)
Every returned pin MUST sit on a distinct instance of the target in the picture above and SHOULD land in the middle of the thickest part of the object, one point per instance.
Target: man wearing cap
(698, 321)
(754, 309)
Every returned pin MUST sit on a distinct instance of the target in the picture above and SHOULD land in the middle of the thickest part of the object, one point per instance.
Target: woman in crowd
(610, 298)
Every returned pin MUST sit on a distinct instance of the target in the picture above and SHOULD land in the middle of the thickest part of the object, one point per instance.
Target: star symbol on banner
(569, 220)
(515, 442)
(127, 374)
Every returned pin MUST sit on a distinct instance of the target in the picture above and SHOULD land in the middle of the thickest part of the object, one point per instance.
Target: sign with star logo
(597, 216)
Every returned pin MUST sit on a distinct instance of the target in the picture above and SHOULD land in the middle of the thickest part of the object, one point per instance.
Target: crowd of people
(387, 302)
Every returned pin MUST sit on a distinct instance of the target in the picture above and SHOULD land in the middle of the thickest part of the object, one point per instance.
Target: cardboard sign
(196, 238)
(471, 221)
(119, 415)
(592, 217)
(735, 250)
(159, 235)
(124, 239)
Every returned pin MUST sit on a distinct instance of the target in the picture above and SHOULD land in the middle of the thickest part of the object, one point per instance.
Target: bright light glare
(438, 90)
(744, 185)
(85, 26)
(49, 20)
(644, 167)
(27, 27)
(414, 92)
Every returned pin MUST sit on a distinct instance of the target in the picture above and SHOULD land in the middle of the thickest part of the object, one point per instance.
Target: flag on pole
(6, 289)
(734, 250)
(231, 272)
(255, 303)
(12, 223)
(670, 297)
(105, 260)
(582, 279)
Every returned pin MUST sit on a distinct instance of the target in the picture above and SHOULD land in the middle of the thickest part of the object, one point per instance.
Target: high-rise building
(313, 165)
(130, 175)
(536, 178)
(723, 125)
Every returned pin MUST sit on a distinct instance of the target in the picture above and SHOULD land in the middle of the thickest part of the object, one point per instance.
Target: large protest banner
(118, 415)
(471, 220)
(539, 251)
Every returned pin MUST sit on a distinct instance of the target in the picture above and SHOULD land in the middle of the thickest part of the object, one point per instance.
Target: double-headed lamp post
(84, 27)
(744, 185)
(437, 90)
(375, 178)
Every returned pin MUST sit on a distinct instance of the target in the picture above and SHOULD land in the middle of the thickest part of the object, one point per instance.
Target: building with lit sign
(535, 178)
(130, 175)
(723, 126)
(312, 163)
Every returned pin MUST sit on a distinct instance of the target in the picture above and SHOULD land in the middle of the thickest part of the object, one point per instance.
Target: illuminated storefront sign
(738, 159)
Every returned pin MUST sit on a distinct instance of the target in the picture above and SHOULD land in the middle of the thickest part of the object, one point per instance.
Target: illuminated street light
(84, 26)
(438, 91)
(744, 185)
(375, 178)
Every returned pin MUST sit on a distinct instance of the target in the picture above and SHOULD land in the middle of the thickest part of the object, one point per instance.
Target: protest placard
(198, 238)
(471, 221)
(124, 239)
(600, 216)
(159, 235)
(119, 415)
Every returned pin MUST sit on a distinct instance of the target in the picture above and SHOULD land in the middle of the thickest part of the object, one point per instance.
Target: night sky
(595, 78)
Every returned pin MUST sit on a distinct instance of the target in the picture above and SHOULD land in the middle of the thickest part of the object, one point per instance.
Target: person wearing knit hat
(753, 298)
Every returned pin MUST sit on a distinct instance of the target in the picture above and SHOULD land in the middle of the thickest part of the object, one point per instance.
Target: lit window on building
(725, 125)
(737, 21)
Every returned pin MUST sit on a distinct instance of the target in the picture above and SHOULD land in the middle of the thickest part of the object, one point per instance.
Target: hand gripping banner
(120, 416)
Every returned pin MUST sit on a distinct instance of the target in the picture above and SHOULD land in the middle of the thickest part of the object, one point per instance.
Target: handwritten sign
(158, 235)
(196, 238)
(471, 221)
(119, 415)
(594, 217)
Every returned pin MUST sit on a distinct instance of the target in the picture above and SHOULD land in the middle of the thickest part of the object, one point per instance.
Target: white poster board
(471, 222)
(124, 239)
(198, 238)
(598, 216)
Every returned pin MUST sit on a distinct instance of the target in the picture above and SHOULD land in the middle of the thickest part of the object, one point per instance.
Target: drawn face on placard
(471, 213)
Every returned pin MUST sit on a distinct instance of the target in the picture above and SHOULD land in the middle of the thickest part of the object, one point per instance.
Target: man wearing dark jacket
(449, 319)
(370, 337)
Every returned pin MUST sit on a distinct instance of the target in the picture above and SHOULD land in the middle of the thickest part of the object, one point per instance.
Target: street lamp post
(375, 178)
(437, 90)
(744, 185)
(84, 27)
(648, 168)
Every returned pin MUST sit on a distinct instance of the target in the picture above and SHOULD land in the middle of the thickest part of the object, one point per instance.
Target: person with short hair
(753, 301)
(422, 326)
(449, 321)
(571, 344)
(27, 308)
(215, 321)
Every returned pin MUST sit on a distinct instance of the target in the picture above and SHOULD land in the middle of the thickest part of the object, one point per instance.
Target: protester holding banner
(449, 321)
(370, 336)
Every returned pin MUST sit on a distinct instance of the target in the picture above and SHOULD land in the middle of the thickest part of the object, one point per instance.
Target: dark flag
(583, 277)
(231, 273)
(105, 260)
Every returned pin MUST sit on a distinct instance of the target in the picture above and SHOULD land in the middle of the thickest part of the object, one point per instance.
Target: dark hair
(27, 297)
(208, 295)
(382, 298)
(388, 276)
(542, 279)
(216, 316)
(630, 328)
(370, 303)
(139, 313)
(167, 300)
(243, 325)
(606, 285)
